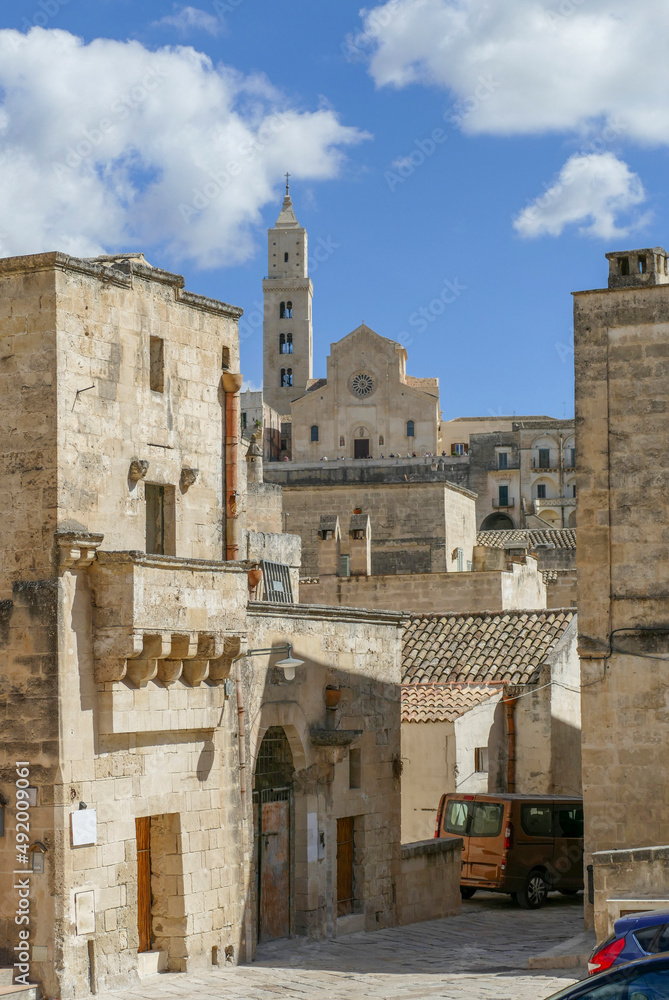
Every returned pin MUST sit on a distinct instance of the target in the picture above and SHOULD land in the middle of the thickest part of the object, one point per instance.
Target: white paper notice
(84, 911)
(84, 827)
(312, 837)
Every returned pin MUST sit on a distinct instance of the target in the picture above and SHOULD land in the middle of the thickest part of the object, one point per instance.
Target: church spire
(287, 215)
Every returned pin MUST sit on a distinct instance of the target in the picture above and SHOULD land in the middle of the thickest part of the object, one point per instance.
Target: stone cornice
(138, 558)
(324, 612)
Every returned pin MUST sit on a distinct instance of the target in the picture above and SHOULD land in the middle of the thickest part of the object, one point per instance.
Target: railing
(510, 502)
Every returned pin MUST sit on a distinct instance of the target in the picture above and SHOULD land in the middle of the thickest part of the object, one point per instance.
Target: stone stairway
(8, 989)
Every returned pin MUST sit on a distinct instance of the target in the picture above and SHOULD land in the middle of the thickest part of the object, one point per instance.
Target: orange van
(524, 845)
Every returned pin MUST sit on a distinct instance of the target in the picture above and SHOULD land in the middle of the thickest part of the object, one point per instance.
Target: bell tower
(287, 329)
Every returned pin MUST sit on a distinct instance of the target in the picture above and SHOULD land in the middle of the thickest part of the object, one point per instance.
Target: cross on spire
(287, 184)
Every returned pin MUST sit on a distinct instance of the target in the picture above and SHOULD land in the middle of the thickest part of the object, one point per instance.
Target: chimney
(329, 540)
(360, 532)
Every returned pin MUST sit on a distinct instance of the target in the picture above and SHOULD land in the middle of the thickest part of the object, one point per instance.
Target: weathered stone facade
(621, 341)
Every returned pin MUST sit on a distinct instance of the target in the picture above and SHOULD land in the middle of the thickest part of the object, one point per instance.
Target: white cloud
(591, 192)
(111, 146)
(187, 19)
(530, 66)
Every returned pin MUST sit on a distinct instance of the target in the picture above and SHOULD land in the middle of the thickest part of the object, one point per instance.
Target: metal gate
(273, 809)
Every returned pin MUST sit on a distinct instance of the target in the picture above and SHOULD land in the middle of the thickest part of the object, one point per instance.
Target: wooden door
(143, 833)
(274, 869)
(361, 447)
(344, 866)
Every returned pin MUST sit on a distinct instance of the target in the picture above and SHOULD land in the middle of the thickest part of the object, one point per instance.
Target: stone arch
(497, 522)
(571, 521)
(290, 716)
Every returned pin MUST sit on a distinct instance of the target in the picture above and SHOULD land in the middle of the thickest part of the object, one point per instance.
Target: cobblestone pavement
(480, 955)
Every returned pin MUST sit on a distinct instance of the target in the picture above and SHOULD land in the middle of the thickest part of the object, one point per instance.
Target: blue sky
(461, 165)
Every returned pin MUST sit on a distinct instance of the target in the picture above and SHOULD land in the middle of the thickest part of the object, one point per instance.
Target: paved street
(480, 955)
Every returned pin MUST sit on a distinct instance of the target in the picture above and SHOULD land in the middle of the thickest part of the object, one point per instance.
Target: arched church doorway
(274, 821)
(497, 522)
(361, 443)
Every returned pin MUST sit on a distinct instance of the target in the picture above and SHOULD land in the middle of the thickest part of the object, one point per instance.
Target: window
(573, 490)
(344, 565)
(541, 491)
(354, 769)
(285, 343)
(380, 439)
(160, 519)
(486, 819)
(286, 377)
(570, 821)
(410, 428)
(314, 432)
(225, 359)
(544, 458)
(285, 258)
(461, 560)
(289, 310)
(282, 311)
(457, 817)
(504, 496)
(243, 420)
(572, 459)
(536, 821)
(342, 441)
(645, 937)
(642, 264)
(503, 460)
(624, 265)
(480, 759)
(459, 448)
(157, 364)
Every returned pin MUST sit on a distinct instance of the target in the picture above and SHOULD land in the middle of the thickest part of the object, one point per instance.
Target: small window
(544, 458)
(573, 490)
(459, 448)
(285, 343)
(624, 265)
(504, 496)
(342, 441)
(157, 364)
(160, 519)
(503, 460)
(289, 343)
(354, 769)
(285, 258)
(480, 759)
(457, 817)
(314, 432)
(573, 458)
(344, 565)
(282, 311)
(536, 821)
(486, 819)
(541, 491)
(244, 420)
(643, 264)
(286, 377)
(225, 359)
(461, 560)
(380, 439)
(289, 310)
(410, 428)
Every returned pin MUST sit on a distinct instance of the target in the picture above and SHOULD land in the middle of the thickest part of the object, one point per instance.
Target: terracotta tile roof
(505, 647)
(442, 702)
(561, 538)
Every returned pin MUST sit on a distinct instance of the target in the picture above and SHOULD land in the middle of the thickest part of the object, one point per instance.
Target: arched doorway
(497, 522)
(274, 821)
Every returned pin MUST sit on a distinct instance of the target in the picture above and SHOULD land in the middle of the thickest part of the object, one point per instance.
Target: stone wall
(416, 527)
(429, 886)
(428, 755)
(628, 881)
(521, 586)
(622, 399)
(264, 508)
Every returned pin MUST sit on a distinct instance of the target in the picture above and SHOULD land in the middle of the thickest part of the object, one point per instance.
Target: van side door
(568, 853)
(534, 843)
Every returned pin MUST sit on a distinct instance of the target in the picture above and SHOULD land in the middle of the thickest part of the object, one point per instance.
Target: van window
(536, 821)
(457, 816)
(487, 819)
(570, 821)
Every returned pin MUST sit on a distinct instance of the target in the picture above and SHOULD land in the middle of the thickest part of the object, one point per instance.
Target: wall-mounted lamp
(287, 665)
(37, 852)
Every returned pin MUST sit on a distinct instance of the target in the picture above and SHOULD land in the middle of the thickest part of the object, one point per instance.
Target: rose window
(362, 384)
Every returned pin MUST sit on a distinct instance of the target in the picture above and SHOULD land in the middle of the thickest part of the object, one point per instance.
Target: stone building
(555, 552)
(621, 341)
(157, 735)
(257, 415)
(522, 469)
(490, 702)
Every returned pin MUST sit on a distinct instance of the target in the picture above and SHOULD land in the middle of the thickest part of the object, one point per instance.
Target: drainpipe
(510, 705)
(232, 383)
(241, 736)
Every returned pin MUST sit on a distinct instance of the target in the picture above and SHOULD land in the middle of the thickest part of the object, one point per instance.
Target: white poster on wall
(84, 827)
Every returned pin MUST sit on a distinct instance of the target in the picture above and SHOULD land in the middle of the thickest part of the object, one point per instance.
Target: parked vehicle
(647, 979)
(524, 845)
(635, 936)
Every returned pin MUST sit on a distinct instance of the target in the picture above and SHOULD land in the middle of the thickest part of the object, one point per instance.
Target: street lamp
(287, 665)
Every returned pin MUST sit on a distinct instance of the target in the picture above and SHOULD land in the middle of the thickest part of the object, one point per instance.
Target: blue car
(635, 936)
(647, 979)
